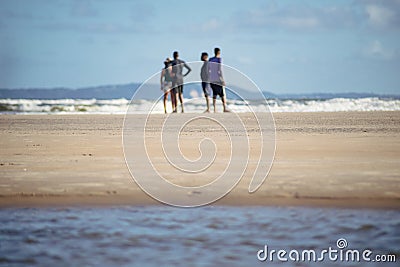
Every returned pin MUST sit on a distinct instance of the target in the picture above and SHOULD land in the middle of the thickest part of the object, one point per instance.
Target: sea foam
(119, 106)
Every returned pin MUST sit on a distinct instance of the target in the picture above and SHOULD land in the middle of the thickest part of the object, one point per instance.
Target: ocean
(193, 105)
(206, 236)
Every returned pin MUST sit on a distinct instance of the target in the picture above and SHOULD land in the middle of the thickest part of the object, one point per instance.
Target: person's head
(167, 62)
(217, 51)
(204, 56)
(176, 55)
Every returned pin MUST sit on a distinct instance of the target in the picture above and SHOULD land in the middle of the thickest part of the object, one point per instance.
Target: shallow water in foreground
(208, 236)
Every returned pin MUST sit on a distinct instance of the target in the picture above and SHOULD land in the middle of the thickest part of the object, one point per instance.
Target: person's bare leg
(173, 100)
(181, 100)
(176, 102)
(208, 104)
(224, 103)
(165, 102)
(214, 102)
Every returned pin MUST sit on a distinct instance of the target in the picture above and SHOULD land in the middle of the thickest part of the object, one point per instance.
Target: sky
(283, 46)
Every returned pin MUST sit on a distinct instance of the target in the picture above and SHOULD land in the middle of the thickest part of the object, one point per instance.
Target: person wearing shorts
(166, 83)
(216, 78)
(204, 75)
(177, 81)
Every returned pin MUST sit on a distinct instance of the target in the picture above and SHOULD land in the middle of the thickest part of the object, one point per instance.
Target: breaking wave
(119, 106)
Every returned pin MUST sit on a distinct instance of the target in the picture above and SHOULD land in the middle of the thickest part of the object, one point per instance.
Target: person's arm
(204, 73)
(161, 78)
(173, 70)
(171, 74)
(188, 69)
(221, 77)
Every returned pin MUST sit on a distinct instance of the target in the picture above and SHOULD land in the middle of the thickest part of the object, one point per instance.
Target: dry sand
(339, 159)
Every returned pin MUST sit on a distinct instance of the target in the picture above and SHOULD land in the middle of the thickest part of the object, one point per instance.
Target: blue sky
(284, 46)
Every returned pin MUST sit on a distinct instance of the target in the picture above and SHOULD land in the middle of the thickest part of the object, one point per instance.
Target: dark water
(209, 236)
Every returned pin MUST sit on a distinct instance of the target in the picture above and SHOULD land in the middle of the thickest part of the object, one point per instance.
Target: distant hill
(99, 92)
(111, 92)
(153, 91)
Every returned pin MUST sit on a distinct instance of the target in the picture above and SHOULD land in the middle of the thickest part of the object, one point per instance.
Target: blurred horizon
(285, 47)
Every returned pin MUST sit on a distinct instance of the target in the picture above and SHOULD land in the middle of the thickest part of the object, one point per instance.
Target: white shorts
(167, 86)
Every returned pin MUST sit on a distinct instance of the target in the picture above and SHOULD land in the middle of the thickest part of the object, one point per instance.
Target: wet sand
(338, 159)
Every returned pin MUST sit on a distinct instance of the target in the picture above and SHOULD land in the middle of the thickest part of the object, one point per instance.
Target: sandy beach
(338, 159)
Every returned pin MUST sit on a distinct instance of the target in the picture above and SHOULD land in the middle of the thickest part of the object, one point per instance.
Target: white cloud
(300, 16)
(297, 17)
(380, 16)
(211, 25)
(94, 28)
(376, 50)
(301, 22)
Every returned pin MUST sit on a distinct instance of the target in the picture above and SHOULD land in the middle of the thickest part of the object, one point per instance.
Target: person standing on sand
(204, 75)
(177, 84)
(216, 78)
(166, 83)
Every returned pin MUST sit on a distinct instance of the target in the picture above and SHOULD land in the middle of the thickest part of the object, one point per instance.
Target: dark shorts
(178, 89)
(218, 90)
(204, 85)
